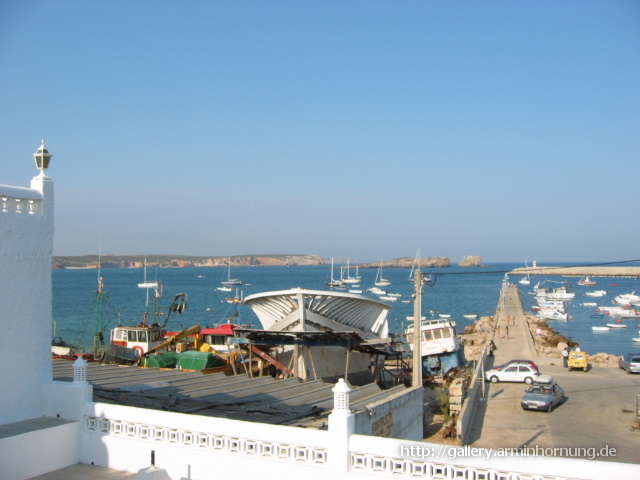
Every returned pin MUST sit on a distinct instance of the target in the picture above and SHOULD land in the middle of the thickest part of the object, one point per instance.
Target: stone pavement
(82, 471)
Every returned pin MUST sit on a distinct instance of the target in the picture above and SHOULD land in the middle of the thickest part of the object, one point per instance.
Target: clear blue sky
(359, 129)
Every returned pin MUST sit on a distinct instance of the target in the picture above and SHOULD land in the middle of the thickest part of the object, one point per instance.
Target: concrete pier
(579, 271)
(596, 416)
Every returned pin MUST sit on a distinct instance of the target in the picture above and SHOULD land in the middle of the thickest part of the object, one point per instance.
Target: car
(512, 373)
(630, 362)
(543, 394)
(577, 360)
(519, 362)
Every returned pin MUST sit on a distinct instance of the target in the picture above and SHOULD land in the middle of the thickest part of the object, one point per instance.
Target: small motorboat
(636, 339)
(470, 316)
(616, 325)
(600, 329)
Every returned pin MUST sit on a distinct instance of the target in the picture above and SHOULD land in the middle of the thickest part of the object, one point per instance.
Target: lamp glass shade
(42, 158)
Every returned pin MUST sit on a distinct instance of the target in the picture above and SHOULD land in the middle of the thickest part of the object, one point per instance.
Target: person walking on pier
(506, 331)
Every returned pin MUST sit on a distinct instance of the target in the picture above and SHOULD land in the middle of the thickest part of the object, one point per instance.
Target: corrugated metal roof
(263, 399)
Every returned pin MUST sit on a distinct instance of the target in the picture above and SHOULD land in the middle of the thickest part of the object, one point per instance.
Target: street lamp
(42, 158)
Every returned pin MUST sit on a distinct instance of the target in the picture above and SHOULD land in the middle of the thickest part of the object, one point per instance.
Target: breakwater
(584, 271)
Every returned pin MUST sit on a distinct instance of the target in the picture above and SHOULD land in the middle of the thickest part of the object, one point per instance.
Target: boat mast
(98, 337)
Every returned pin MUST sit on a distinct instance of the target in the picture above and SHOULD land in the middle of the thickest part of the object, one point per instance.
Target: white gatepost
(341, 427)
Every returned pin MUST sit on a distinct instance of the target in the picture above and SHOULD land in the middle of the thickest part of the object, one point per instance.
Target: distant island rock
(471, 261)
(408, 262)
(181, 261)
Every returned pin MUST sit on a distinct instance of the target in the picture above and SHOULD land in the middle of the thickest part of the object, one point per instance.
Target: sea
(454, 291)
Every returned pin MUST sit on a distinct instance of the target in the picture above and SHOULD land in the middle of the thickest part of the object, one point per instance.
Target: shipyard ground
(596, 416)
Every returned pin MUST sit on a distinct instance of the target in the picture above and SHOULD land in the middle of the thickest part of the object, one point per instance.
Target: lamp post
(42, 158)
(417, 334)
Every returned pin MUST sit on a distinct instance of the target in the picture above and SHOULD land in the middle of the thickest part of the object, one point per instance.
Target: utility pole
(417, 334)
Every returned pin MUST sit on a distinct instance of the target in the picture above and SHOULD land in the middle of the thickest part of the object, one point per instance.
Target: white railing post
(341, 427)
(80, 372)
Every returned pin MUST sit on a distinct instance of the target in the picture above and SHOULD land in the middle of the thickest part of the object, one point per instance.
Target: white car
(512, 373)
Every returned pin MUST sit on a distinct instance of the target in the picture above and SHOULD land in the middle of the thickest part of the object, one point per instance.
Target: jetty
(583, 271)
(594, 420)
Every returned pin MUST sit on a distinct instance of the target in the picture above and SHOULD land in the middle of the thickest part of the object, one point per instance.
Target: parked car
(511, 363)
(577, 360)
(544, 394)
(630, 362)
(512, 373)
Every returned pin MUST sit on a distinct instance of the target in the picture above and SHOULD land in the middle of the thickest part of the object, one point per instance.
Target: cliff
(471, 261)
(408, 262)
(181, 261)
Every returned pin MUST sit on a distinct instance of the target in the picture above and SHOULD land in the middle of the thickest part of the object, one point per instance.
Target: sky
(348, 129)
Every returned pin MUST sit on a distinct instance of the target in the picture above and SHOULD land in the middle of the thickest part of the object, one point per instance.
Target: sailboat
(525, 280)
(351, 279)
(380, 280)
(229, 280)
(332, 281)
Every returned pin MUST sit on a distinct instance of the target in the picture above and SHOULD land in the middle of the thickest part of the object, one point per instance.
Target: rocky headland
(471, 261)
(408, 262)
(179, 261)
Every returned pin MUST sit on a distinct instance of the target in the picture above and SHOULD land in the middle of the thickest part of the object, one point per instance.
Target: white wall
(26, 246)
(41, 451)
(398, 416)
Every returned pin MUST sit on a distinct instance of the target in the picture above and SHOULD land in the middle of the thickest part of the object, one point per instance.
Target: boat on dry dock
(322, 334)
(440, 347)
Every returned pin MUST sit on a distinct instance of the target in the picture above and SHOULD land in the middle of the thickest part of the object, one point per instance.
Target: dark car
(544, 394)
(630, 362)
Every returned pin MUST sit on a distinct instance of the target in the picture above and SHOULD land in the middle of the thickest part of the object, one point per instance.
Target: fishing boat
(130, 343)
(525, 280)
(627, 299)
(376, 291)
(229, 280)
(586, 281)
(552, 315)
(440, 348)
(380, 281)
(596, 293)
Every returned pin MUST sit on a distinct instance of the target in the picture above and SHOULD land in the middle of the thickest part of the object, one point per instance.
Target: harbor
(598, 411)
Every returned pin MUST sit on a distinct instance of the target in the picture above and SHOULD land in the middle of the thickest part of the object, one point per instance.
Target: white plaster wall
(26, 246)
(406, 409)
(34, 453)
(131, 453)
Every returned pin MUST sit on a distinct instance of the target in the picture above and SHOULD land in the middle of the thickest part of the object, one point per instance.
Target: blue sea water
(457, 292)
